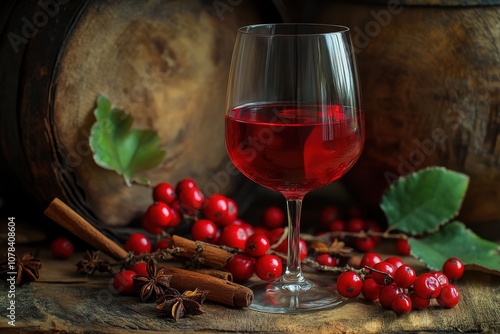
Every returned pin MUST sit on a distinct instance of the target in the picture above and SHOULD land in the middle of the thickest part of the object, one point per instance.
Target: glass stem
(293, 273)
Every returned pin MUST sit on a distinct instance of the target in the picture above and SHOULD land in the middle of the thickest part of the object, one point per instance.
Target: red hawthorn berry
(453, 268)
(268, 267)
(62, 248)
(274, 217)
(349, 284)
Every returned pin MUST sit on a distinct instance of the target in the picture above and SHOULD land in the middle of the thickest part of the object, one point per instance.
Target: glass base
(284, 297)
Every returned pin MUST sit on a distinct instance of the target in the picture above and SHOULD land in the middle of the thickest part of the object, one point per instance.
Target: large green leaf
(116, 146)
(424, 200)
(455, 240)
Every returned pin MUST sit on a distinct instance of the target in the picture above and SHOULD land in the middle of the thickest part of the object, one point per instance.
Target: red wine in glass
(293, 149)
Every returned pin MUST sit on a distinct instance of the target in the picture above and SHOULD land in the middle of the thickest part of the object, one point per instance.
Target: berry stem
(314, 264)
(278, 254)
(161, 255)
(282, 238)
(380, 272)
(361, 234)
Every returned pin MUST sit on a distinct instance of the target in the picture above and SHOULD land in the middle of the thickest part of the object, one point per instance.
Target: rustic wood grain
(68, 305)
(425, 69)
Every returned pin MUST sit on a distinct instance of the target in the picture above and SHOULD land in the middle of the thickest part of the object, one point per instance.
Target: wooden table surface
(62, 301)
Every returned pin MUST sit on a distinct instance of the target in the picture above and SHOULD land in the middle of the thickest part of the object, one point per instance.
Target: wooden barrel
(430, 78)
(164, 62)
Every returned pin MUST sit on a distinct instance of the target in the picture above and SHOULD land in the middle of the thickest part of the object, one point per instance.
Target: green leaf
(424, 200)
(116, 146)
(455, 240)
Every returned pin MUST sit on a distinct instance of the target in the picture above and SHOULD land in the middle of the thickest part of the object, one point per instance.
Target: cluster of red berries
(215, 220)
(397, 286)
(254, 244)
(170, 204)
(169, 207)
(256, 256)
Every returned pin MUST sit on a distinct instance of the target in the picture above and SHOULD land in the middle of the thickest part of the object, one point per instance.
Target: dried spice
(336, 247)
(175, 305)
(92, 263)
(27, 269)
(155, 284)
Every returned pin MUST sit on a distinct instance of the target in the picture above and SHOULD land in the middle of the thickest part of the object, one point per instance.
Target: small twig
(313, 264)
(163, 235)
(361, 234)
(282, 238)
(282, 256)
(161, 254)
(388, 277)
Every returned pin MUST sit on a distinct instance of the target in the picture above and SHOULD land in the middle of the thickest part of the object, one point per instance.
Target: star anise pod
(155, 283)
(92, 263)
(175, 305)
(27, 269)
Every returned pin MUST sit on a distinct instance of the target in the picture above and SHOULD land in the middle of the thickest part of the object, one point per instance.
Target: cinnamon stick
(62, 214)
(216, 273)
(220, 290)
(205, 253)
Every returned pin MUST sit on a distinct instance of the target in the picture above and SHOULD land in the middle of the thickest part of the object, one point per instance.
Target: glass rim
(336, 29)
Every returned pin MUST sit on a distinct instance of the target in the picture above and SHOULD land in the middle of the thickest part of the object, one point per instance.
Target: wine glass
(293, 124)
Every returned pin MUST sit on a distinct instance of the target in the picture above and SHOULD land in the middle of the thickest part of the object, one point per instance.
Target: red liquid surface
(293, 150)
